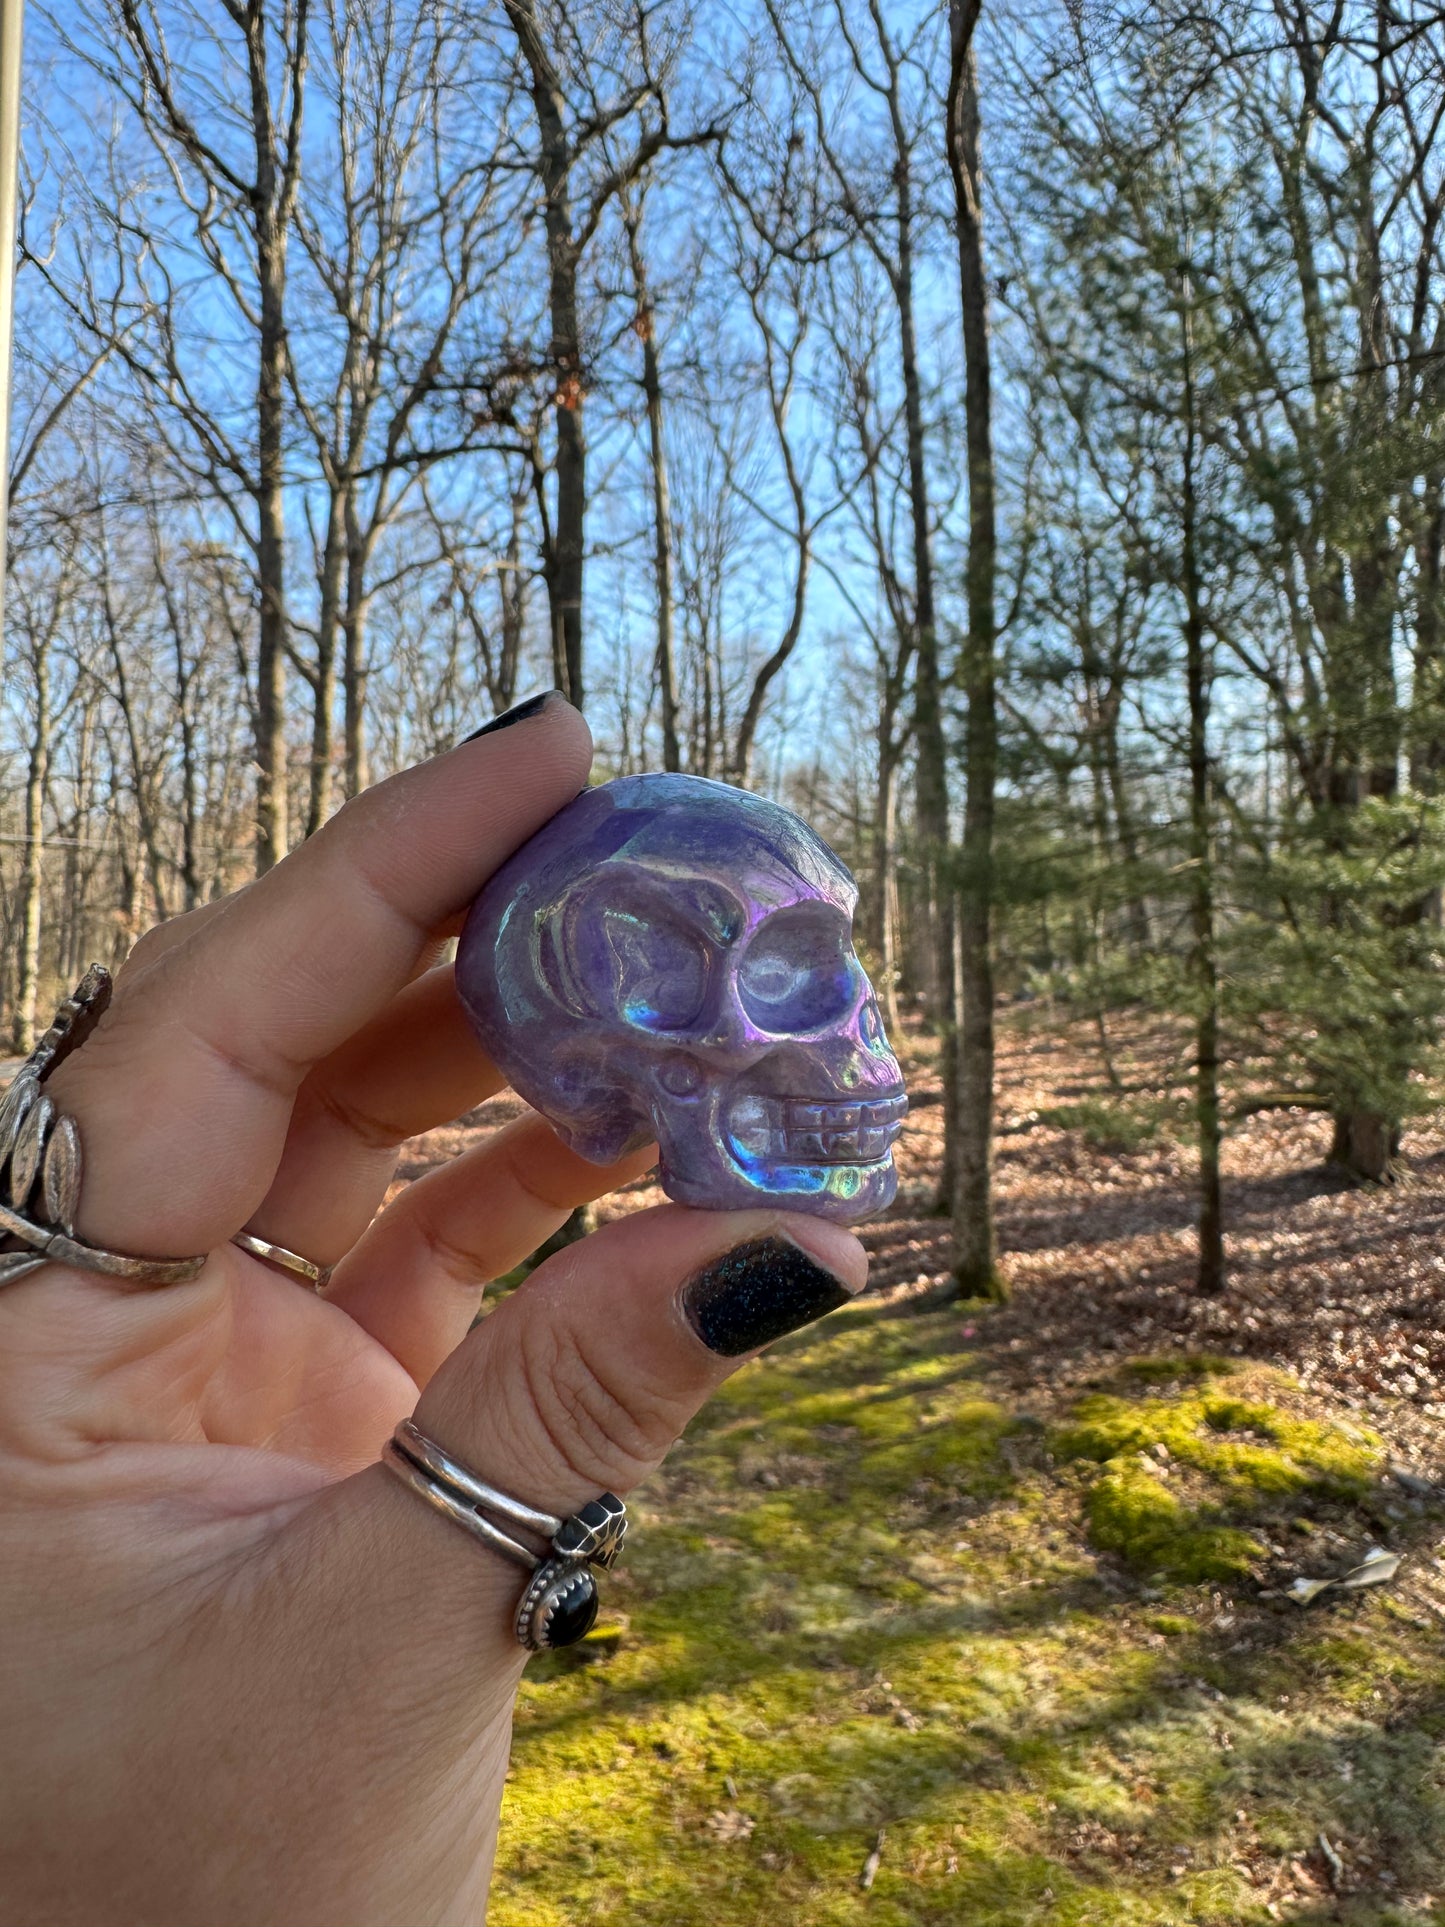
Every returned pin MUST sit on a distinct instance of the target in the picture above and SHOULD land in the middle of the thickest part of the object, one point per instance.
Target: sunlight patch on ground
(868, 1613)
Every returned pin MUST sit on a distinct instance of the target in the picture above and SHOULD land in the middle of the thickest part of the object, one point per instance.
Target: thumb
(584, 1378)
(371, 1658)
(578, 1383)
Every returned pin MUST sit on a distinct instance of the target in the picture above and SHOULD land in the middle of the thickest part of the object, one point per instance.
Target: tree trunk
(565, 551)
(780, 365)
(883, 910)
(740, 766)
(646, 327)
(275, 190)
(142, 787)
(1211, 1276)
(513, 593)
(186, 721)
(190, 793)
(1365, 1144)
(328, 621)
(359, 542)
(271, 826)
(564, 582)
(1125, 831)
(931, 781)
(709, 730)
(32, 867)
(564, 554)
(1427, 751)
(975, 1265)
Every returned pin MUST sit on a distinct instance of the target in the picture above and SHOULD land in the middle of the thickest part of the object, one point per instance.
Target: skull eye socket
(659, 971)
(797, 974)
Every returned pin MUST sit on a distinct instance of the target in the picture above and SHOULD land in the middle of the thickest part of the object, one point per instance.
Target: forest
(1013, 439)
(1012, 434)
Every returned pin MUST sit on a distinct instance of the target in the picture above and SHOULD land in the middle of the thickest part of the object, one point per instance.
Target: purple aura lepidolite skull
(673, 958)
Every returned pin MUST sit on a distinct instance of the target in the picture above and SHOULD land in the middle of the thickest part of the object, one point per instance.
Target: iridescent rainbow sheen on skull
(673, 958)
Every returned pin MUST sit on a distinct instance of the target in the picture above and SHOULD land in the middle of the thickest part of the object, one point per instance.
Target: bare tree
(581, 170)
(880, 206)
(872, 481)
(1210, 1274)
(645, 324)
(226, 125)
(401, 235)
(782, 319)
(480, 570)
(41, 641)
(39, 606)
(974, 1262)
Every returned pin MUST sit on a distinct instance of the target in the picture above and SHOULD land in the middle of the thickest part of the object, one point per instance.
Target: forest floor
(974, 1614)
(977, 1614)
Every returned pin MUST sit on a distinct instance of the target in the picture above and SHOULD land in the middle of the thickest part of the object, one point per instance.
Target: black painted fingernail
(518, 713)
(756, 1293)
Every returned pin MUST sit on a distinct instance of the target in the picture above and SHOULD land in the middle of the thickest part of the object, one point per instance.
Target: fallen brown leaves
(1342, 1284)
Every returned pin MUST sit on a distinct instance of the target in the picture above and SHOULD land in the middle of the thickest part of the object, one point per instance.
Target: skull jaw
(726, 1149)
(846, 1193)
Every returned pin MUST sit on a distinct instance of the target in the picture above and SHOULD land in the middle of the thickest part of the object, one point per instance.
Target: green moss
(857, 1601)
(1130, 1513)
(1239, 1441)
(1248, 1453)
(1170, 1624)
(1168, 1367)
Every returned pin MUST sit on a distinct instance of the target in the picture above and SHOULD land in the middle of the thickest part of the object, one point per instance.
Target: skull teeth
(800, 1131)
(875, 1115)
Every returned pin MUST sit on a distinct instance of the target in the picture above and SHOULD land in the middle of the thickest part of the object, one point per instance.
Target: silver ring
(560, 1602)
(457, 1510)
(314, 1275)
(42, 1166)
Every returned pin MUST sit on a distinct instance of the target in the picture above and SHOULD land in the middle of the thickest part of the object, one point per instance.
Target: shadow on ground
(867, 1615)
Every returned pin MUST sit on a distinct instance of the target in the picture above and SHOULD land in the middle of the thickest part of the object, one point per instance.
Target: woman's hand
(245, 1676)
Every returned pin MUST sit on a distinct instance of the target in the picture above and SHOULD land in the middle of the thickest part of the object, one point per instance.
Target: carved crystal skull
(673, 958)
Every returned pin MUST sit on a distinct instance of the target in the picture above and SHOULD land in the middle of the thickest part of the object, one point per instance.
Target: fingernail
(518, 713)
(756, 1293)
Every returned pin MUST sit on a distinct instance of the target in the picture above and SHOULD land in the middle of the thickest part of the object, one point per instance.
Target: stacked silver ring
(560, 1603)
(41, 1166)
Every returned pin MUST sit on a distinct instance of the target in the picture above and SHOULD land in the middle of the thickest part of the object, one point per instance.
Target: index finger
(184, 1091)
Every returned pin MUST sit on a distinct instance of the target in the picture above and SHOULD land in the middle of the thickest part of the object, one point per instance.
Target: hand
(246, 1676)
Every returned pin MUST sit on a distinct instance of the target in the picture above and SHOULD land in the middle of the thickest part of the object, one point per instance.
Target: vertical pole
(12, 17)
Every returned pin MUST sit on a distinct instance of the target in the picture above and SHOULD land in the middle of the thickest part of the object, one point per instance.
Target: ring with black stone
(559, 1607)
(560, 1603)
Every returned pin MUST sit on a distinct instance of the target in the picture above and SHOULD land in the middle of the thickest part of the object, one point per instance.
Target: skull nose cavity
(804, 1131)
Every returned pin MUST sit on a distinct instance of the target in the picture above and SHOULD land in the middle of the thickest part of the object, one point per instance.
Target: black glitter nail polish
(518, 713)
(756, 1293)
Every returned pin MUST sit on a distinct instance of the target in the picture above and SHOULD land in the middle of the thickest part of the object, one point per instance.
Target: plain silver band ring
(455, 1509)
(284, 1260)
(425, 1452)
